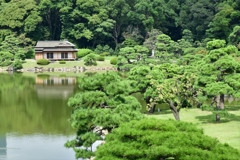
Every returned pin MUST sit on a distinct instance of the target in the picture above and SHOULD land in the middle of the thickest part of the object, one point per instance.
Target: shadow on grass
(212, 118)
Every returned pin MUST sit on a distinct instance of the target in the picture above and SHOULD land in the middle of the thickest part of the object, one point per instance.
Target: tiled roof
(53, 44)
(60, 49)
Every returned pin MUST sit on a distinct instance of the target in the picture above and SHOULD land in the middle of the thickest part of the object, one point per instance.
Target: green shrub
(104, 50)
(90, 60)
(30, 54)
(5, 63)
(157, 139)
(17, 64)
(84, 52)
(113, 61)
(105, 54)
(43, 61)
(62, 62)
(100, 58)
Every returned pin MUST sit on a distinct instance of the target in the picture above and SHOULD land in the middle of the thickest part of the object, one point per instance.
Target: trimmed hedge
(84, 52)
(43, 61)
(62, 62)
(105, 54)
(113, 61)
(100, 58)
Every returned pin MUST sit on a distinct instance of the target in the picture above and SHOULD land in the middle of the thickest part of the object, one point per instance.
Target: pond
(34, 116)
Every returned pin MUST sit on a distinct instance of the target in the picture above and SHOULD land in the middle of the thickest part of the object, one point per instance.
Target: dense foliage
(106, 24)
(180, 53)
(162, 139)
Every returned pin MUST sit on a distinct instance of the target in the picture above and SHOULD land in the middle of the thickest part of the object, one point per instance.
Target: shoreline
(62, 69)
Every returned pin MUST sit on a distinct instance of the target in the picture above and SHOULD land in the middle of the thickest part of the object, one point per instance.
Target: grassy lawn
(226, 131)
(30, 63)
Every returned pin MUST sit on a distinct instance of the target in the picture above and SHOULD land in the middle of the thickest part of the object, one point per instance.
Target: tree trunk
(199, 104)
(218, 102)
(213, 101)
(217, 117)
(152, 108)
(153, 53)
(174, 110)
(218, 107)
(222, 101)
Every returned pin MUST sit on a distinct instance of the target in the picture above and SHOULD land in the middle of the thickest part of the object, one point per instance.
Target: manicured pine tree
(101, 105)
(219, 73)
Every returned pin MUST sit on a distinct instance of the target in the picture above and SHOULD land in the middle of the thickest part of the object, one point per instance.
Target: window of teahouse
(49, 55)
(66, 55)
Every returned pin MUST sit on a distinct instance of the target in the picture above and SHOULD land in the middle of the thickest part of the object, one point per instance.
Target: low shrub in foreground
(62, 62)
(113, 61)
(163, 139)
(43, 61)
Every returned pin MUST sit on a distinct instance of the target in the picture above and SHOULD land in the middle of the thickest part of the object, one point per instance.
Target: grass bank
(30, 63)
(226, 131)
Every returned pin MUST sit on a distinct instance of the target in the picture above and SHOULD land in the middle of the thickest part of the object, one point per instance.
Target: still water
(34, 116)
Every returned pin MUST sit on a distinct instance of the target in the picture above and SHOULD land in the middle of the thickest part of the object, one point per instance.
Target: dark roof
(60, 49)
(53, 44)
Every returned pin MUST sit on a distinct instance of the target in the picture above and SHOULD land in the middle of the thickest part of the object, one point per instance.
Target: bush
(90, 60)
(100, 58)
(62, 62)
(43, 61)
(84, 52)
(113, 61)
(5, 63)
(105, 54)
(104, 50)
(30, 54)
(162, 139)
(17, 64)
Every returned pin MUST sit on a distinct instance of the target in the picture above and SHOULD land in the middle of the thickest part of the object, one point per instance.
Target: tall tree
(19, 16)
(118, 10)
(195, 15)
(218, 71)
(86, 21)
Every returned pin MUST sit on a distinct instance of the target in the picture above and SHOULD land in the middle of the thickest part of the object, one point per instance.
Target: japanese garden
(120, 79)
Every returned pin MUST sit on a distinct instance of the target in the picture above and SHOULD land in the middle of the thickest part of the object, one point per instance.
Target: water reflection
(3, 147)
(55, 87)
(34, 116)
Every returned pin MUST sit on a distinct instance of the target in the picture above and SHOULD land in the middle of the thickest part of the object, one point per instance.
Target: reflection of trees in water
(3, 146)
(22, 111)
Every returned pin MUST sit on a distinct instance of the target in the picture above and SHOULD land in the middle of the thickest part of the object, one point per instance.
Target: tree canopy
(106, 22)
